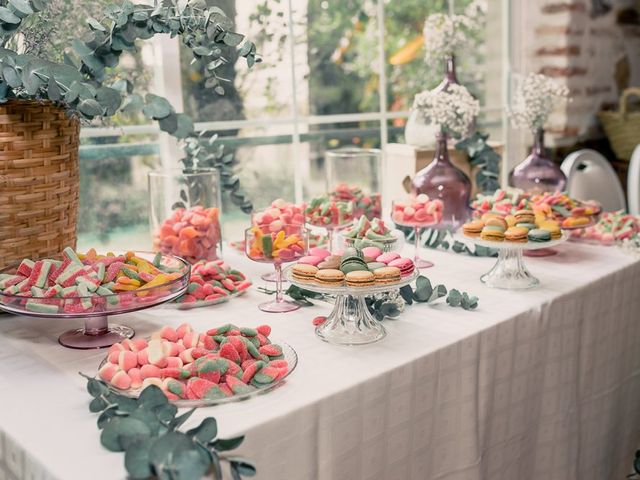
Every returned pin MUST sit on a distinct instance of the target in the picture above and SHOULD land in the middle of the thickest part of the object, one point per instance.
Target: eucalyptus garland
(82, 85)
(147, 430)
(486, 158)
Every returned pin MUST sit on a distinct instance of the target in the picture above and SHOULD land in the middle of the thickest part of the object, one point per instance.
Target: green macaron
(539, 235)
(530, 226)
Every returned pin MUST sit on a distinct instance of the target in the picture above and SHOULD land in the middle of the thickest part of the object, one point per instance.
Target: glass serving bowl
(95, 310)
(288, 352)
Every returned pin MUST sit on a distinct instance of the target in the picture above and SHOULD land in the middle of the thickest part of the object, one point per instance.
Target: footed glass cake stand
(350, 322)
(95, 310)
(510, 272)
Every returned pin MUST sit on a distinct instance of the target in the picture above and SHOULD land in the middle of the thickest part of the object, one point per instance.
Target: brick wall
(596, 56)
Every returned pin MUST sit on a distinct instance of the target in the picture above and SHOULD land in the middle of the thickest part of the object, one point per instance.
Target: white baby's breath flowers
(535, 97)
(445, 35)
(453, 109)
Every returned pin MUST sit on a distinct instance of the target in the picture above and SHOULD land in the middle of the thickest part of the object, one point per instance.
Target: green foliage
(81, 83)
(457, 299)
(426, 293)
(434, 238)
(146, 429)
(483, 156)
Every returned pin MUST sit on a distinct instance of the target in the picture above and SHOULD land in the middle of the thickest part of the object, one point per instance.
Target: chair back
(633, 182)
(591, 177)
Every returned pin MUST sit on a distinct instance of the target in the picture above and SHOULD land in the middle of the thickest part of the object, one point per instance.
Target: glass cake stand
(288, 353)
(95, 310)
(350, 322)
(510, 272)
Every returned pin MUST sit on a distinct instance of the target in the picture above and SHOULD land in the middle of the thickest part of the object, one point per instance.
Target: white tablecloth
(540, 384)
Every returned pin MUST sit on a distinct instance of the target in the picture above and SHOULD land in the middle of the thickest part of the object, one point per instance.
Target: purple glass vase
(449, 74)
(441, 179)
(537, 173)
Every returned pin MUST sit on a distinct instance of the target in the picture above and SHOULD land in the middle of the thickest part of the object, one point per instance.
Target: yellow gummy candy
(279, 241)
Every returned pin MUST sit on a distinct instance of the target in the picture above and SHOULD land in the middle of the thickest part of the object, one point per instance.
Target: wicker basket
(39, 180)
(622, 127)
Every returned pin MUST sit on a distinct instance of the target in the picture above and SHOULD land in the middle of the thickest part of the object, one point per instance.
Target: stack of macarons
(520, 227)
(355, 267)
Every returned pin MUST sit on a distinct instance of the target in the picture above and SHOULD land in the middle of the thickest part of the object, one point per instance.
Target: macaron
(487, 215)
(511, 220)
(405, 265)
(352, 252)
(371, 252)
(323, 253)
(553, 227)
(492, 233)
(530, 226)
(353, 264)
(360, 279)
(516, 234)
(329, 277)
(387, 275)
(539, 235)
(374, 265)
(473, 228)
(304, 272)
(387, 257)
(332, 261)
(497, 222)
(310, 260)
(525, 216)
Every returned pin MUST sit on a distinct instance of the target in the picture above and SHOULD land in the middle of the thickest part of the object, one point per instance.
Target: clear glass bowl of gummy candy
(170, 280)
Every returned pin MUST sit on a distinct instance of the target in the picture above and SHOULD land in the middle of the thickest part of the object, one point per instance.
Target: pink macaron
(310, 260)
(404, 264)
(319, 252)
(371, 252)
(387, 257)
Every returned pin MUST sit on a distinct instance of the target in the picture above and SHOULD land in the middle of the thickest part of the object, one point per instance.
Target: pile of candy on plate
(522, 226)
(187, 365)
(418, 211)
(365, 267)
(612, 227)
(213, 281)
(368, 233)
(87, 281)
(325, 212)
(368, 205)
(268, 246)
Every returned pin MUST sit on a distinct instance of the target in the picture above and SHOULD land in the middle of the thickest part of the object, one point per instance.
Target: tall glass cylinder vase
(355, 175)
(184, 213)
(417, 131)
(441, 179)
(538, 173)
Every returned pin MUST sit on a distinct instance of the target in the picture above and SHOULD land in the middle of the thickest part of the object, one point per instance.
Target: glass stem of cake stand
(416, 256)
(96, 325)
(279, 294)
(330, 239)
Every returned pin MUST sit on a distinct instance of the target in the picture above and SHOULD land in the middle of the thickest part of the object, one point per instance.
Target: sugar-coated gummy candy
(168, 333)
(136, 377)
(271, 350)
(264, 330)
(229, 351)
(174, 362)
(237, 386)
(150, 371)
(121, 380)
(319, 320)
(127, 360)
(107, 371)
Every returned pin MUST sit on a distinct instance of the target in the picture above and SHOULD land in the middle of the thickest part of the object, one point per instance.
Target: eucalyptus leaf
(178, 421)
(21, 7)
(157, 107)
(122, 431)
(8, 16)
(53, 89)
(223, 445)
(136, 460)
(244, 467)
(106, 417)
(110, 99)
(12, 77)
(185, 126)
(152, 397)
(206, 431)
(95, 24)
(189, 464)
(169, 124)
(90, 108)
(165, 447)
(98, 404)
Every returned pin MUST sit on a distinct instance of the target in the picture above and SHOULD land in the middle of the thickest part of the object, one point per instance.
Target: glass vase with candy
(287, 244)
(418, 213)
(279, 213)
(184, 213)
(329, 214)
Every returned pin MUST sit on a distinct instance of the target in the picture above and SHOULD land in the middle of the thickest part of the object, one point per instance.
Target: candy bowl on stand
(510, 271)
(372, 233)
(287, 244)
(329, 214)
(278, 213)
(418, 213)
(96, 307)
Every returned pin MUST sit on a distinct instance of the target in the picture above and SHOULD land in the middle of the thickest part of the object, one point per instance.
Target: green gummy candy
(267, 246)
(239, 389)
(217, 365)
(248, 332)
(193, 286)
(157, 259)
(38, 307)
(262, 378)
(253, 351)
(175, 387)
(214, 393)
(131, 274)
(219, 338)
(255, 341)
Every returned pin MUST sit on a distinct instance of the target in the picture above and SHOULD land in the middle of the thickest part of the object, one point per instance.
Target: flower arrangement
(534, 99)
(453, 109)
(444, 35)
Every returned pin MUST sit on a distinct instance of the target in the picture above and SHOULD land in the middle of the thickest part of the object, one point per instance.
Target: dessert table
(534, 384)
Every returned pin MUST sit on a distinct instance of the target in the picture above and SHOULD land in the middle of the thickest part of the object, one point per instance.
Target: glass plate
(504, 245)
(290, 356)
(206, 303)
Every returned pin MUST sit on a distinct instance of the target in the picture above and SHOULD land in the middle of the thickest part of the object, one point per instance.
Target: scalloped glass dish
(290, 356)
(350, 322)
(206, 303)
(97, 332)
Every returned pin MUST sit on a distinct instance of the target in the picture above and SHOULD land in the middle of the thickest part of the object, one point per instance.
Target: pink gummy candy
(121, 380)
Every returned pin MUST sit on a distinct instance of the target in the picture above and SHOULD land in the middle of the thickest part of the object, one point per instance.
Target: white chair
(633, 182)
(591, 177)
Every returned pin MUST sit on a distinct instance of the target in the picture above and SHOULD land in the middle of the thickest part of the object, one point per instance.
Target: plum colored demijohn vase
(441, 179)
(537, 173)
